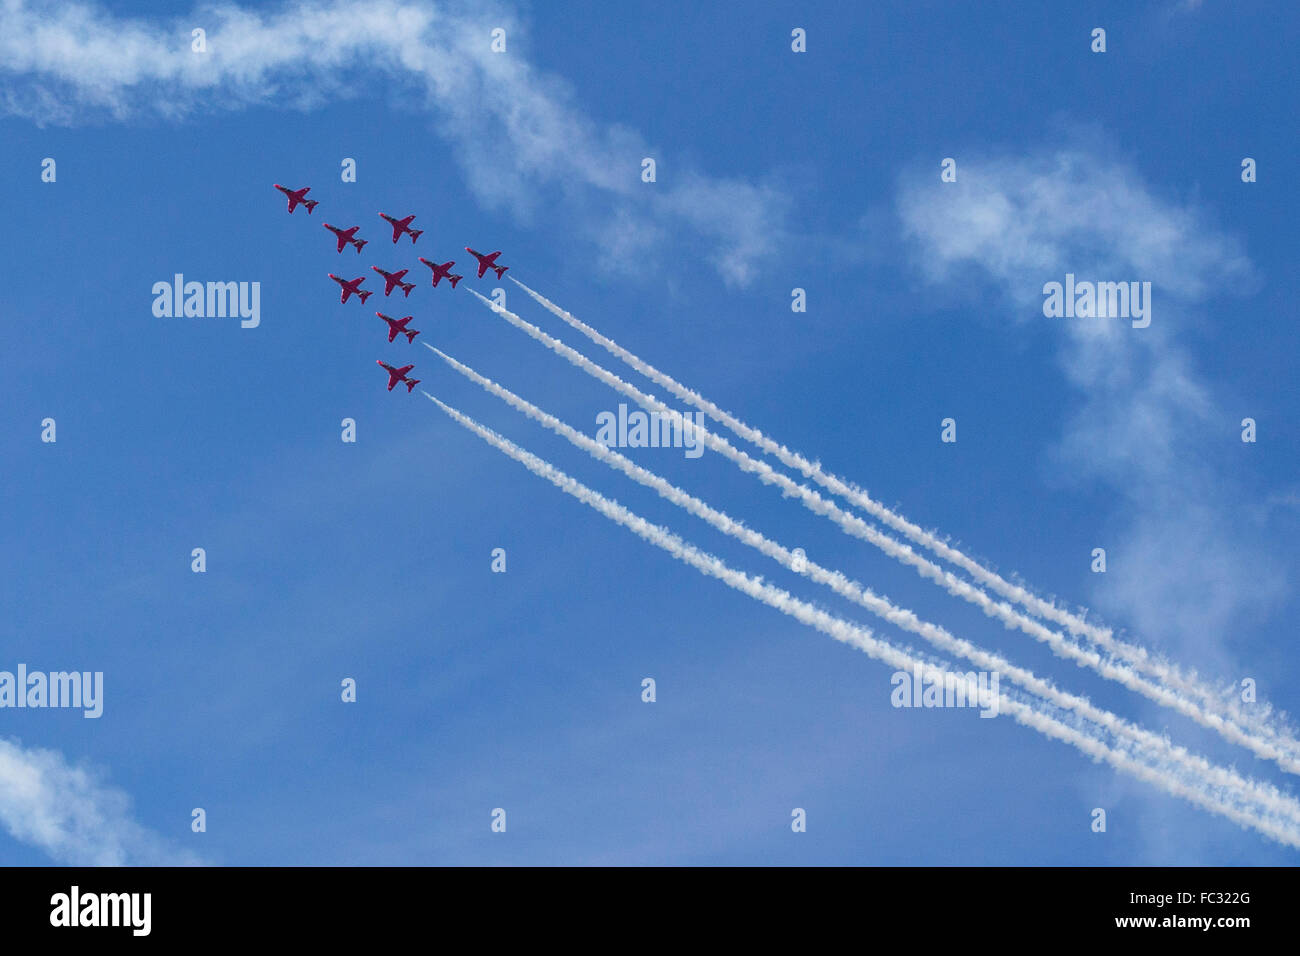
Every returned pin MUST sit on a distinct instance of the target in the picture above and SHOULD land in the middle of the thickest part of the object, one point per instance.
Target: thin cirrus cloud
(521, 139)
(1022, 219)
(68, 813)
(1141, 409)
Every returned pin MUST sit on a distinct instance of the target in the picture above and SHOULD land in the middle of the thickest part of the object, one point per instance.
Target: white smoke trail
(1139, 657)
(1262, 794)
(1038, 716)
(856, 527)
(814, 471)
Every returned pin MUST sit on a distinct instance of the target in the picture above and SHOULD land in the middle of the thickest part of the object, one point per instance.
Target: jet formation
(392, 280)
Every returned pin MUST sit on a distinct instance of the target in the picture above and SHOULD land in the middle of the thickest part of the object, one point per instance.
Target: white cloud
(522, 140)
(67, 812)
(1023, 219)
(1183, 565)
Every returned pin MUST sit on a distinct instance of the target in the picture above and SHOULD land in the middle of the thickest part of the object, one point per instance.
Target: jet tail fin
(410, 336)
(454, 280)
(310, 204)
(416, 234)
(406, 289)
(411, 383)
(359, 243)
(365, 295)
(500, 270)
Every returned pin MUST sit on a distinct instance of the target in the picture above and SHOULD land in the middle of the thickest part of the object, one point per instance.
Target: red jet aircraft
(487, 262)
(392, 279)
(351, 288)
(396, 375)
(398, 327)
(442, 271)
(297, 196)
(402, 225)
(347, 235)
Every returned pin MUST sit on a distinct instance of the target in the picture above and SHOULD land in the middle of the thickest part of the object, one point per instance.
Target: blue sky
(521, 690)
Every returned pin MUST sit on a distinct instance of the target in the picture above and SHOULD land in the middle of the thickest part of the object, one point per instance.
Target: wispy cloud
(1289, 499)
(1020, 218)
(522, 140)
(69, 813)
(1143, 409)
